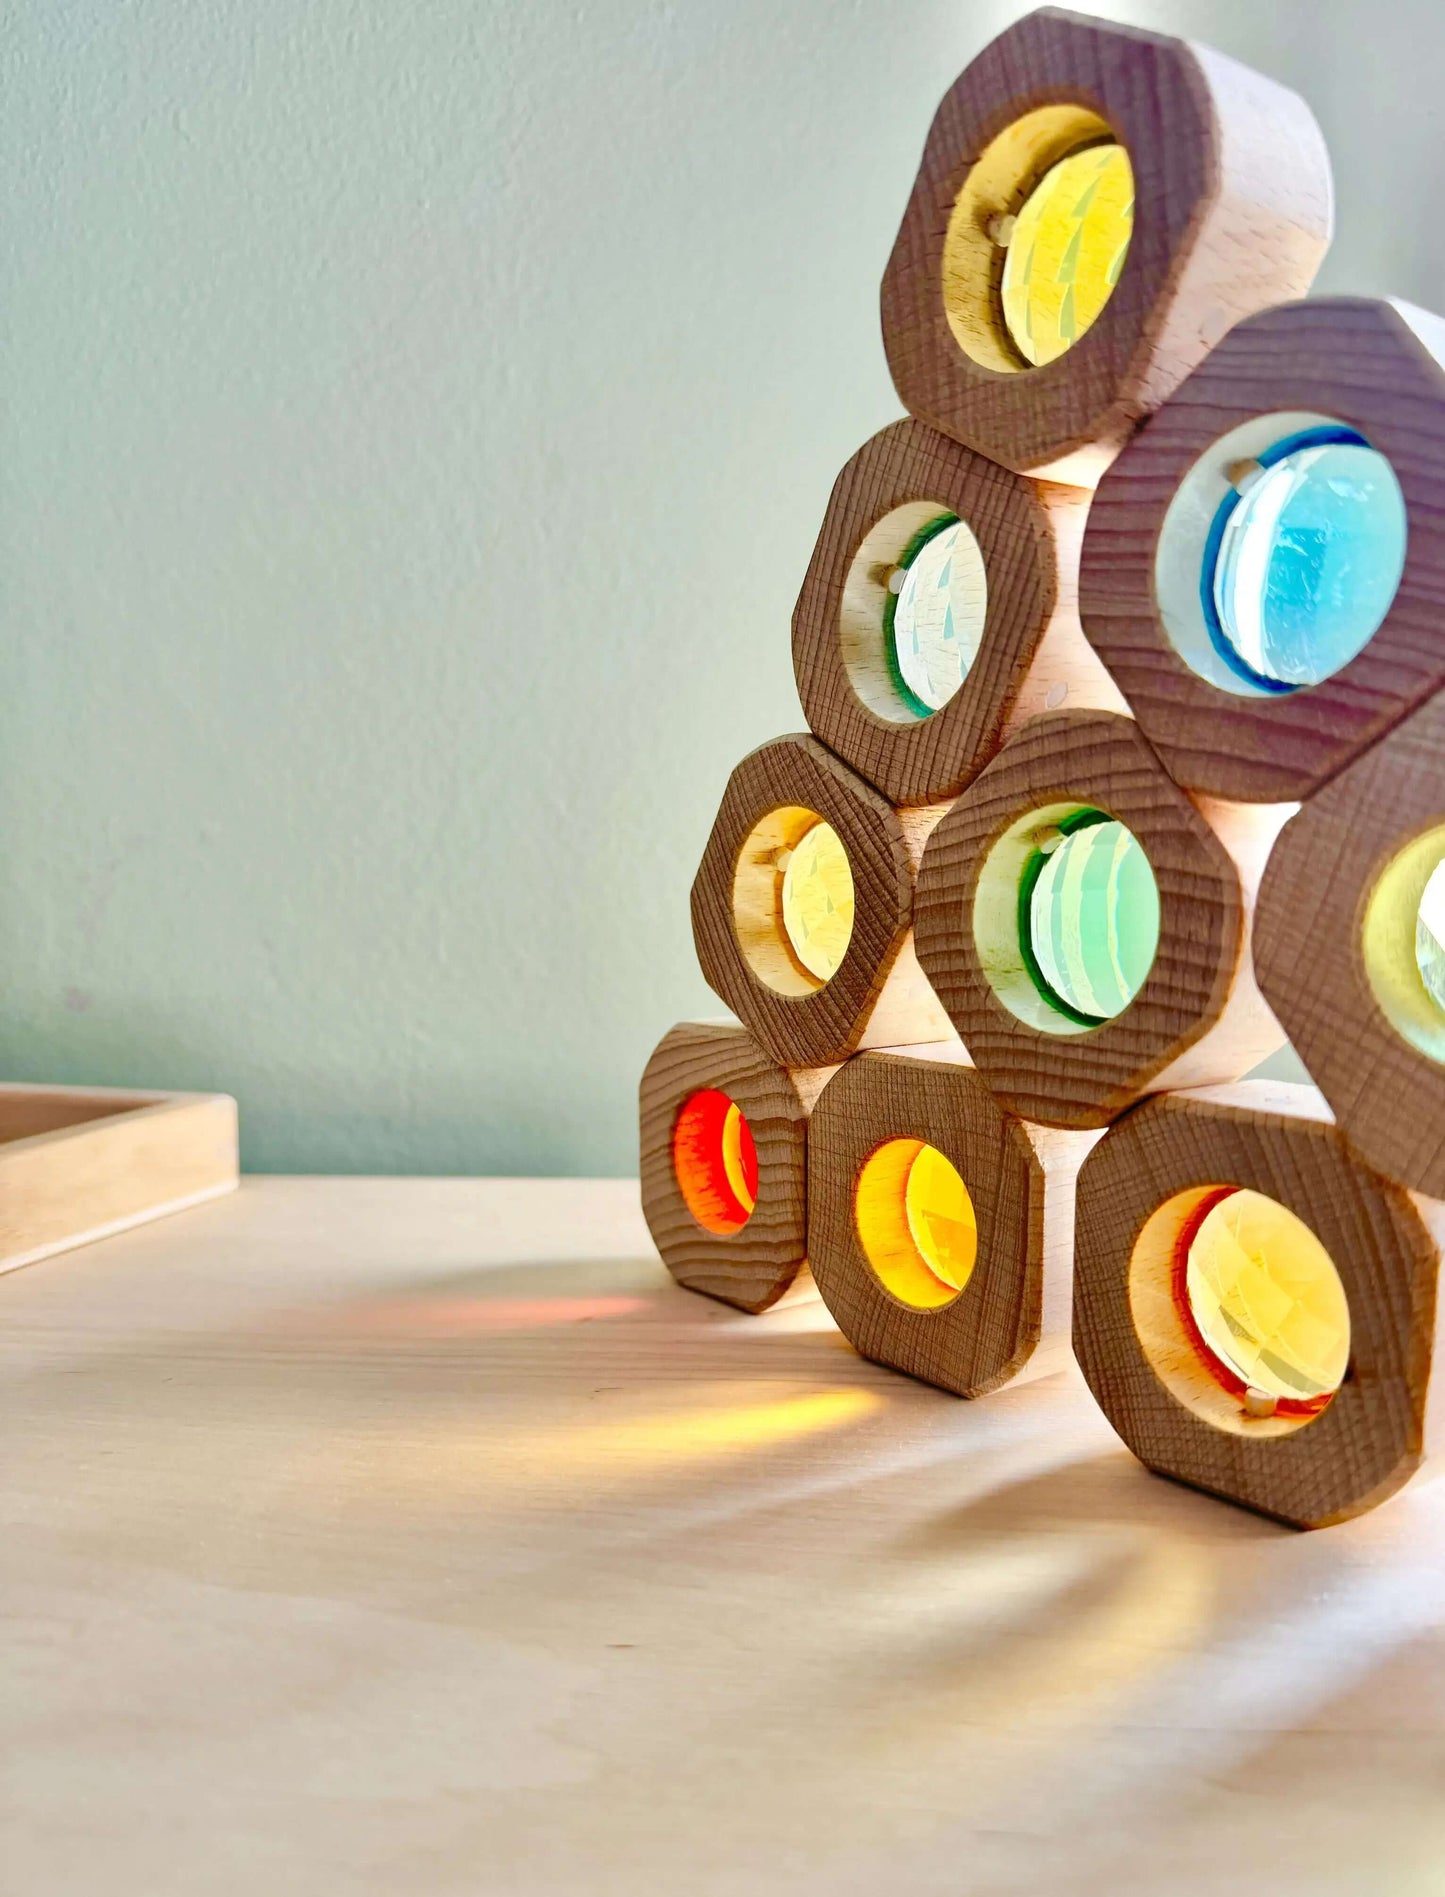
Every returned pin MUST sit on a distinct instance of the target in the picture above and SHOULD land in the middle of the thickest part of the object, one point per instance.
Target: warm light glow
(916, 1223)
(1092, 918)
(1267, 1299)
(1309, 555)
(631, 1436)
(817, 901)
(1067, 250)
(661, 1441)
(715, 1161)
(709, 1432)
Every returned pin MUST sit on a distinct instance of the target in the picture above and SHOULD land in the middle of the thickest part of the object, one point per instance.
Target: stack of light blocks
(1122, 664)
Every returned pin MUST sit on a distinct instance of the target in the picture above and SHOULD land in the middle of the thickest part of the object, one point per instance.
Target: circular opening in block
(915, 1223)
(1404, 943)
(1066, 918)
(913, 611)
(1239, 1309)
(1281, 554)
(793, 900)
(715, 1161)
(1037, 238)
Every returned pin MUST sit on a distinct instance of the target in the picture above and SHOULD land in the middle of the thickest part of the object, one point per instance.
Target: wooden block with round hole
(1347, 955)
(940, 610)
(1086, 924)
(1264, 566)
(1096, 207)
(802, 909)
(940, 1226)
(724, 1155)
(1254, 1306)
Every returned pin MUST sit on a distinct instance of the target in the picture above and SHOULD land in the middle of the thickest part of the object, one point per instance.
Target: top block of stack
(1095, 208)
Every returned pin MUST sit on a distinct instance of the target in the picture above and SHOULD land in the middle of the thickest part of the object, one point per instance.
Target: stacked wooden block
(1124, 662)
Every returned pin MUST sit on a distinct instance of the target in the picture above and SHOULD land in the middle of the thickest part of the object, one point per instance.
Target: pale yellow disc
(1067, 250)
(817, 901)
(1267, 1298)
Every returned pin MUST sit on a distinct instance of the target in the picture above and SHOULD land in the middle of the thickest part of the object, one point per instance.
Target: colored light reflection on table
(664, 1441)
(1067, 251)
(916, 1223)
(682, 1434)
(1093, 919)
(715, 1161)
(1309, 561)
(817, 901)
(1267, 1299)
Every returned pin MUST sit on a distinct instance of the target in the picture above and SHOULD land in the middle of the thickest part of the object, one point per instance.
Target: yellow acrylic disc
(817, 901)
(1267, 1298)
(734, 1169)
(1067, 250)
(940, 1216)
(915, 1223)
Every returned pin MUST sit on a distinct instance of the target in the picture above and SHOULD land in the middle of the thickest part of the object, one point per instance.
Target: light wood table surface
(416, 1537)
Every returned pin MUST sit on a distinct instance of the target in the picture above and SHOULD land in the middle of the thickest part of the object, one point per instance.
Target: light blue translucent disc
(1309, 561)
(1094, 919)
(938, 618)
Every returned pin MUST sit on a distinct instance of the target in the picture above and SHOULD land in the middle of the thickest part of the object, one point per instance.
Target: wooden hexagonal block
(1172, 1398)
(1190, 1012)
(1232, 213)
(940, 1226)
(1339, 952)
(1365, 372)
(863, 986)
(995, 630)
(724, 1154)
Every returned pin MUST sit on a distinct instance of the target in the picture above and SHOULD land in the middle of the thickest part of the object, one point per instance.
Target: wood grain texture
(421, 1536)
(1277, 1141)
(1376, 367)
(1388, 1096)
(78, 1163)
(1233, 213)
(755, 1267)
(1087, 1079)
(1022, 1192)
(1029, 534)
(879, 986)
(1247, 1029)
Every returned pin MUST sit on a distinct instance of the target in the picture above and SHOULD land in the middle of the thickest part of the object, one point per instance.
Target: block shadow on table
(648, 1569)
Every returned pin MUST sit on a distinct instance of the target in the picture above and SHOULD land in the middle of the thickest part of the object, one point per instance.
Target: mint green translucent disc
(1094, 919)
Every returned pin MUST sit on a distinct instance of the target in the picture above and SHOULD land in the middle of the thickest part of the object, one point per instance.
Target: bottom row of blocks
(1252, 1306)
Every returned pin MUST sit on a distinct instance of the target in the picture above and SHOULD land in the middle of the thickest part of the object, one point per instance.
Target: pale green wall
(416, 418)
